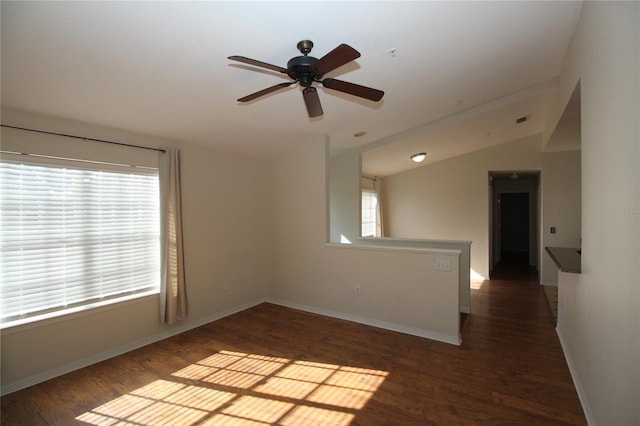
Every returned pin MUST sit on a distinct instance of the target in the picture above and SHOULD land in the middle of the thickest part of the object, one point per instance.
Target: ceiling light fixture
(514, 176)
(419, 157)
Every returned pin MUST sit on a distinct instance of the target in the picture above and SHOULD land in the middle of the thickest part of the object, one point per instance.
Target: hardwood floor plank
(283, 366)
(17, 410)
(538, 409)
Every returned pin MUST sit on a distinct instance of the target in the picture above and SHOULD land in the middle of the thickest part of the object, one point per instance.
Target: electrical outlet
(358, 290)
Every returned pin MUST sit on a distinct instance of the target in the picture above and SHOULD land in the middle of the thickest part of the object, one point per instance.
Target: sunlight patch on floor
(234, 388)
(477, 285)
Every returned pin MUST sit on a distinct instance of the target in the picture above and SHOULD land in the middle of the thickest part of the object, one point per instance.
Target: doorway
(514, 225)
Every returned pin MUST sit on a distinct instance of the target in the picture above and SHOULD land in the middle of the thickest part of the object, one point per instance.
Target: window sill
(20, 325)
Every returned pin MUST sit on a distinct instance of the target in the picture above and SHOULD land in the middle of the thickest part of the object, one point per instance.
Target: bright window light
(75, 236)
(369, 218)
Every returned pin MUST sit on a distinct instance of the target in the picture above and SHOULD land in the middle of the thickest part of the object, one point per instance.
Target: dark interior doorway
(514, 223)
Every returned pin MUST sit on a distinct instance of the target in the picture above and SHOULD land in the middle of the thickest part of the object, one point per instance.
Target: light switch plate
(443, 265)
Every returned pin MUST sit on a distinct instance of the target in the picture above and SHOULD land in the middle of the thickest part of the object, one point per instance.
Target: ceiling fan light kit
(306, 70)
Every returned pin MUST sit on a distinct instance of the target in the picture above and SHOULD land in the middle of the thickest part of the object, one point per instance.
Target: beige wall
(225, 228)
(599, 313)
(344, 190)
(400, 289)
(449, 200)
(561, 207)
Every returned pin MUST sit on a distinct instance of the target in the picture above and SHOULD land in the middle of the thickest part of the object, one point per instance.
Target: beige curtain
(173, 297)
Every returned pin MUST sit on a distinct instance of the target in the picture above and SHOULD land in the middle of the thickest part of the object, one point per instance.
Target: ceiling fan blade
(339, 56)
(353, 89)
(250, 61)
(265, 91)
(311, 99)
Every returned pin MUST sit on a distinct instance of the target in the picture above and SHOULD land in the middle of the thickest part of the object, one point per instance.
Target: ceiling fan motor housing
(301, 69)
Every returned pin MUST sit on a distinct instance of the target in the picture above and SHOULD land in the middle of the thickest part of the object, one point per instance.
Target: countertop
(567, 259)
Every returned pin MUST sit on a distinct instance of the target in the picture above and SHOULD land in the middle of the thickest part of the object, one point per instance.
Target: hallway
(514, 266)
(512, 328)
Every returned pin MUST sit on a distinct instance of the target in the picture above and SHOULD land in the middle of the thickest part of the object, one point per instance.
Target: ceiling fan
(307, 70)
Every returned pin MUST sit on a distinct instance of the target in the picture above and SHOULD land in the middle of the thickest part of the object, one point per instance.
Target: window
(369, 213)
(75, 234)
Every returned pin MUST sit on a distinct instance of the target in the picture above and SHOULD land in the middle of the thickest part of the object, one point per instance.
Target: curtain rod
(86, 139)
(368, 177)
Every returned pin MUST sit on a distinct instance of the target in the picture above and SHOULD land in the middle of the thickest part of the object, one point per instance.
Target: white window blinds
(73, 235)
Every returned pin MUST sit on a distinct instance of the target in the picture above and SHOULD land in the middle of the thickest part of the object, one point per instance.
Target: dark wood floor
(274, 365)
(514, 266)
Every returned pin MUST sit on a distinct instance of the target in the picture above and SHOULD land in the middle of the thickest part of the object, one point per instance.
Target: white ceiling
(458, 71)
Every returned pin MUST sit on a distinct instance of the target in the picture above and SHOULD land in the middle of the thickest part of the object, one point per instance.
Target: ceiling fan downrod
(305, 46)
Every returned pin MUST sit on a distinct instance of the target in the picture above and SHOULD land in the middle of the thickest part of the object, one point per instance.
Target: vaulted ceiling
(456, 75)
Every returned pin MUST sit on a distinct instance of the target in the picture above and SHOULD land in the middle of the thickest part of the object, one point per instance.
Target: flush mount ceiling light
(419, 157)
(514, 176)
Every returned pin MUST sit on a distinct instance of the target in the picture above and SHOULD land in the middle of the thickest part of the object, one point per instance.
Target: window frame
(93, 302)
(376, 225)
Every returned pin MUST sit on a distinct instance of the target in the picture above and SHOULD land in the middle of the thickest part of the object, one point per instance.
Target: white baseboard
(427, 334)
(136, 344)
(576, 381)
(17, 385)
